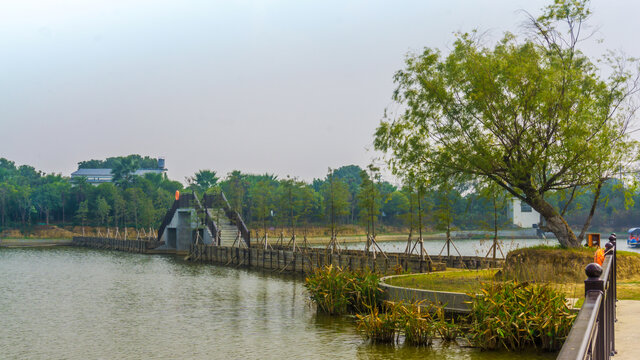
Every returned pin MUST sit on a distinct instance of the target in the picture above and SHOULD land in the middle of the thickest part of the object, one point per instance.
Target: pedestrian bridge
(211, 221)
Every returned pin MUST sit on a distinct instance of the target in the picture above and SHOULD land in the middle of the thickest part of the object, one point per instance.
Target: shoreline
(313, 240)
(19, 243)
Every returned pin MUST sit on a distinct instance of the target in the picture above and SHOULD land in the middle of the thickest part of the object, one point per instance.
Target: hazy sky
(285, 87)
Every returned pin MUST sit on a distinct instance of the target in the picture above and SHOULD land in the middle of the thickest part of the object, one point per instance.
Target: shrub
(515, 316)
(379, 327)
(337, 291)
(417, 324)
(448, 331)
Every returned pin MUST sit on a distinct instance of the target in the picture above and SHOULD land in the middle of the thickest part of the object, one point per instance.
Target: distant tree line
(348, 195)
(112, 162)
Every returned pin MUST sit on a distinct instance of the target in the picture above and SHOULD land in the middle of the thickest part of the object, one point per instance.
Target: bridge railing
(237, 219)
(185, 200)
(219, 199)
(592, 335)
(208, 221)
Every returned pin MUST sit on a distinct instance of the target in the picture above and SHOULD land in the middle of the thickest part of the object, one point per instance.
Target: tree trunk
(555, 222)
(587, 223)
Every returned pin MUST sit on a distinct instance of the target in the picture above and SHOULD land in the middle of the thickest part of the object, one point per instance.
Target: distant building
(523, 215)
(99, 176)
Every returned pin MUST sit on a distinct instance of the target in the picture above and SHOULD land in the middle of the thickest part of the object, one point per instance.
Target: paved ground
(627, 329)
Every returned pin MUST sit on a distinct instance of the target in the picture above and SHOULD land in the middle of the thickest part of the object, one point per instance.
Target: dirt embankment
(38, 232)
(562, 265)
(68, 232)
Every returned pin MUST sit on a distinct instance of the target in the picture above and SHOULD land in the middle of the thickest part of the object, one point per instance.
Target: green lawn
(454, 280)
(469, 281)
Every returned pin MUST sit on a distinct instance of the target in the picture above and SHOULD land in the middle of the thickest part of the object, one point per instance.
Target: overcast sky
(285, 87)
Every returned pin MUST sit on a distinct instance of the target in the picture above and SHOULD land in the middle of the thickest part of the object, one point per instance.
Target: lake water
(466, 247)
(70, 303)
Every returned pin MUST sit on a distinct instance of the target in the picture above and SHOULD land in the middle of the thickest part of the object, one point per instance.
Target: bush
(379, 328)
(515, 316)
(337, 291)
(417, 324)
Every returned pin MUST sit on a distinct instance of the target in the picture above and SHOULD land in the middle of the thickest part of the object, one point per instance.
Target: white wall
(523, 219)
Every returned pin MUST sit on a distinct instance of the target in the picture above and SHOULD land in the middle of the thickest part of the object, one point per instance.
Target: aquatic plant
(514, 316)
(379, 327)
(446, 328)
(337, 291)
(417, 324)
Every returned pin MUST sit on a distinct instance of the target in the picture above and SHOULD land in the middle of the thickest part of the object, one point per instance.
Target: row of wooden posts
(282, 258)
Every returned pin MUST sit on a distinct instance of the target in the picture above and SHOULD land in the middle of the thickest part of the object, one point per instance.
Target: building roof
(107, 172)
(92, 172)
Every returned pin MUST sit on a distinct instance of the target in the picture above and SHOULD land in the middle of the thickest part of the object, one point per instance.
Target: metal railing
(219, 199)
(208, 221)
(185, 200)
(592, 335)
(237, 219)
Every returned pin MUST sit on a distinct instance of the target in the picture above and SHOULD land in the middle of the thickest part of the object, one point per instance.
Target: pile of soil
(562, 265)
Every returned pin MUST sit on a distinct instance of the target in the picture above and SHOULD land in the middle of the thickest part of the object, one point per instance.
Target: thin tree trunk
(555, 222)
(587, 223)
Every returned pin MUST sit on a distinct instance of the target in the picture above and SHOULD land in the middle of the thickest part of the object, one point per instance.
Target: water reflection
(67, 303)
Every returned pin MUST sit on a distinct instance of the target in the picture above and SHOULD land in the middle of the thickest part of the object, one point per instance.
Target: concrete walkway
(627, 330)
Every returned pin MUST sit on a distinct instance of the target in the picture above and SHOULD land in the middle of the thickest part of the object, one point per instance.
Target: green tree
(236, 187)
(123, 171)
(7, 195)
(262, 201)
(531, 114)
(82, 213)
(336, 199)
(351, 175)
(102, 210)
(203, 180)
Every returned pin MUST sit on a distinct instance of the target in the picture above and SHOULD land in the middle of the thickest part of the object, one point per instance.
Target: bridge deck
(627, 330)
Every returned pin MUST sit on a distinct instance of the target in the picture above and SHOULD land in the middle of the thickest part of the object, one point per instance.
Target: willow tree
(531, 113)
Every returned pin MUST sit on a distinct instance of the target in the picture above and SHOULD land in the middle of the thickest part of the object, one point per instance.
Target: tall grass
(379, 327)
(515, 316)
(420, 324)
(336, 291)
(506, 315)
(417, 324)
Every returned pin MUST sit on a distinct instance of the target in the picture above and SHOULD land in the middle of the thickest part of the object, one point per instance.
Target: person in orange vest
(599, 257)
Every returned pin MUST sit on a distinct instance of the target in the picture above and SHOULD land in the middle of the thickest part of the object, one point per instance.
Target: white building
(523, 215)
(99, 176)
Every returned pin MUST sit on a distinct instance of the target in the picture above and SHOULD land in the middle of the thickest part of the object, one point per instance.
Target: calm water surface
(69, 303)
(466, 247)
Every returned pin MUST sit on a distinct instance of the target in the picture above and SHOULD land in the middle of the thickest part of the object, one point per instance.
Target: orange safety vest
(599, 258)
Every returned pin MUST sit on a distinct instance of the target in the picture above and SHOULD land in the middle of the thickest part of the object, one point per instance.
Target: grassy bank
(562, 269)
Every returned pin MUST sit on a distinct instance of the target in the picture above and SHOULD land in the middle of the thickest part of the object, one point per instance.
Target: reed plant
(337, 291)
(446, 328)
(516, 316)
(417, 324)
(379, 327)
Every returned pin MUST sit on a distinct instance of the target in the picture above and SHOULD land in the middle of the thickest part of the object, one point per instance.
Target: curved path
(627, 330)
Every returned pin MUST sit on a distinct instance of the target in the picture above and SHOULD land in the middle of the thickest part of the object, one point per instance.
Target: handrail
(209, 221)
(185, 200)
(236, 218)
(592, 335)
(167, 218)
